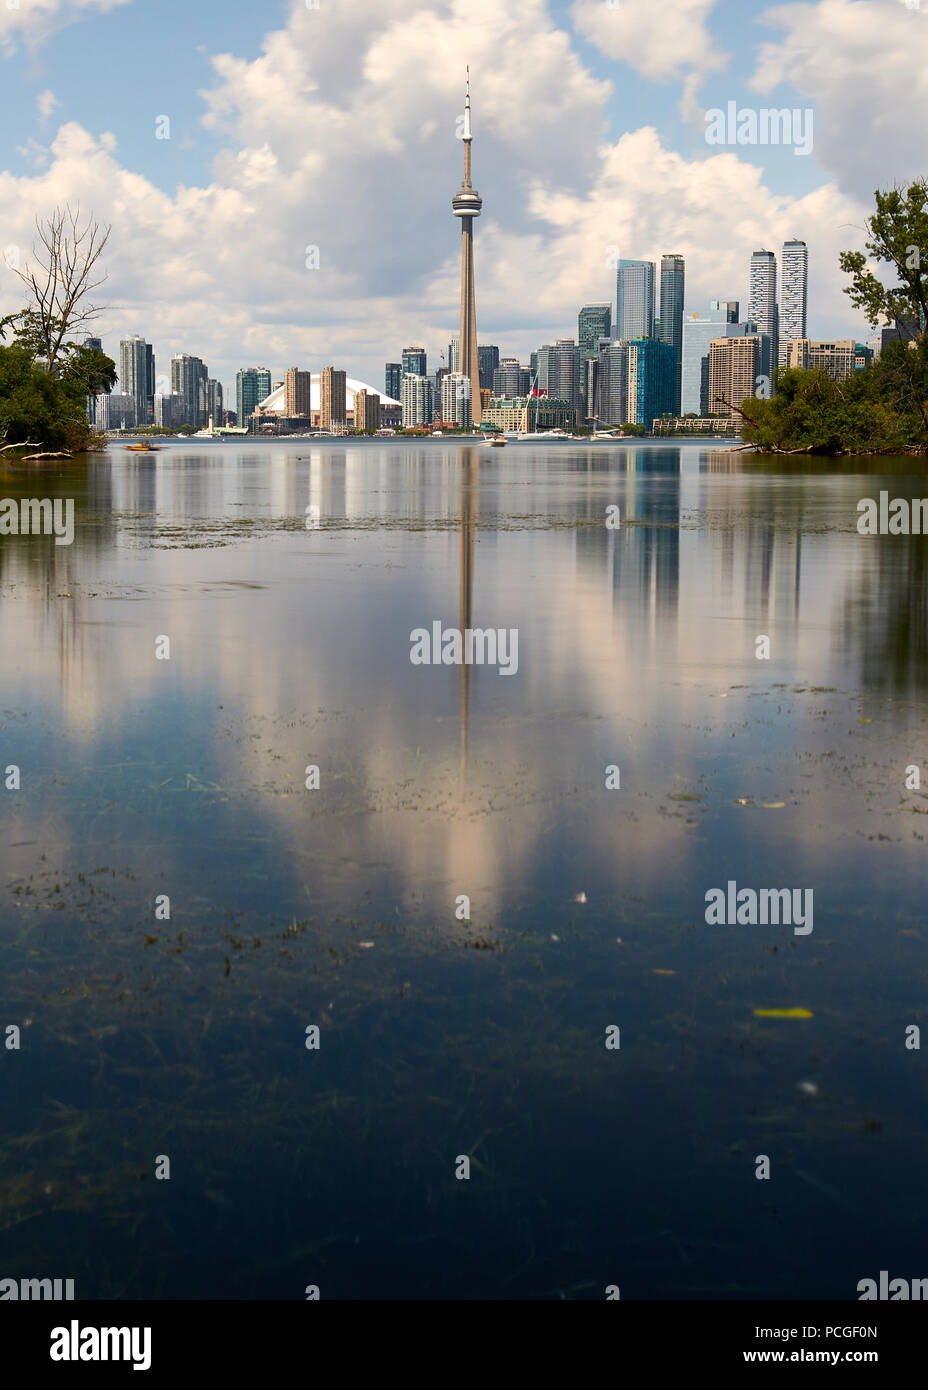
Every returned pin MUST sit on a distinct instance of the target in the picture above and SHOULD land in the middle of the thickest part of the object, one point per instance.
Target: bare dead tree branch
(66, 260)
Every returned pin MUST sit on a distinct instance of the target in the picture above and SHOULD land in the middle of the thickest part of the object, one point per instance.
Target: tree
(93, 371)
(897, 236)
(59, 282)
(8, 321)
(41, 407)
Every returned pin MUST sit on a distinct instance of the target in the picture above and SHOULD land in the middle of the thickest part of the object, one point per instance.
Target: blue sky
(590, 131)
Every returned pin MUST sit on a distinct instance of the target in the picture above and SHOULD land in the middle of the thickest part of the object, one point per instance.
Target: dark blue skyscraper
(671, 320)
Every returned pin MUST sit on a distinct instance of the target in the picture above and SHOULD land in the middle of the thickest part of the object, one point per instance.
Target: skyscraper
(794, 282)
(467, 204)
(133, 376)
(670, 329)
(734, 364)
(414, 361)
(568, 375)
(511, 378)
(456, 404)
(549, 370)
(417, 400)
(214, 401)
(650, 380)
(763, 307)
(333, 410)
(366, 411)
(150, 381)
(188, 379)
(594, 322)
(611, 400)
(634, 300)
(721, 321)
(488, 361)
(297, 393)
(393, 380)
(252, 386)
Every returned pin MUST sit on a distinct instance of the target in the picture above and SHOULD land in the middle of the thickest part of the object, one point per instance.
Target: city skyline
(649, 303)
(382, 270)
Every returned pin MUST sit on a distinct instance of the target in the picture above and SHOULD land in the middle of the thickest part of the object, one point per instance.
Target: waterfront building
(417, 400)
(170, 412)
(651, 380)
(611, 398)
(634, 300)
(214, 410)
(669, 328)
(567, 386)
(528, 413)
(136, 365)
(188, 379)
(720, 321)
(762, 308)
(487, 361)
(414, 361)
(794, 287)
(456, 403)
(333, 405)
(593, 322)
(366, 411)
(837, 358)
(297, 393)
(511, 378)
(393, 379)
(734, 365)
(252, 386)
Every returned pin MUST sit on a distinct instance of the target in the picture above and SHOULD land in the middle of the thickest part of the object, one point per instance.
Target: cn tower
(467, 204)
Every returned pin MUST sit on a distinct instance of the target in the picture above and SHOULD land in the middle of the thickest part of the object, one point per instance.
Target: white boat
(496, 442)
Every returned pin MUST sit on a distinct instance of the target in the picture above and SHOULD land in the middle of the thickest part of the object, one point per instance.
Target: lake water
(340, 907)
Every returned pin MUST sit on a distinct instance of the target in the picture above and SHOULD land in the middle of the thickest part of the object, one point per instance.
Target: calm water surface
(336, 907)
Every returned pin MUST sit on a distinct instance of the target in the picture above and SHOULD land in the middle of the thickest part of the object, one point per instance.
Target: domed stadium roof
(274, 403)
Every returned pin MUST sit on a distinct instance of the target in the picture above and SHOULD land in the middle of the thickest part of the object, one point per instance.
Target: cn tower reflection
(470, 482)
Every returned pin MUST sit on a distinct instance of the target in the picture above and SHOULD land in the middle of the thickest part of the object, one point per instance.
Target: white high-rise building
(417, 400)
(763, 307)
(456, 400)
(133, 375)
(794, 283)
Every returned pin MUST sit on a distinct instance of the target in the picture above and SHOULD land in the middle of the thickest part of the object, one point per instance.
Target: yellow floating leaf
(773, 805)
(783, 1013)
(663, 972)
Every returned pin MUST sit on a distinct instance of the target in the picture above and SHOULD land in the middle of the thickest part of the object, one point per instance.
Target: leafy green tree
(91, 369)
(897, 236)
(44, 408)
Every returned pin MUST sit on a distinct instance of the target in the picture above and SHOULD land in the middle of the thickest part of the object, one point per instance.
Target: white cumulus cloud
(32, 21)
(864, 63)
